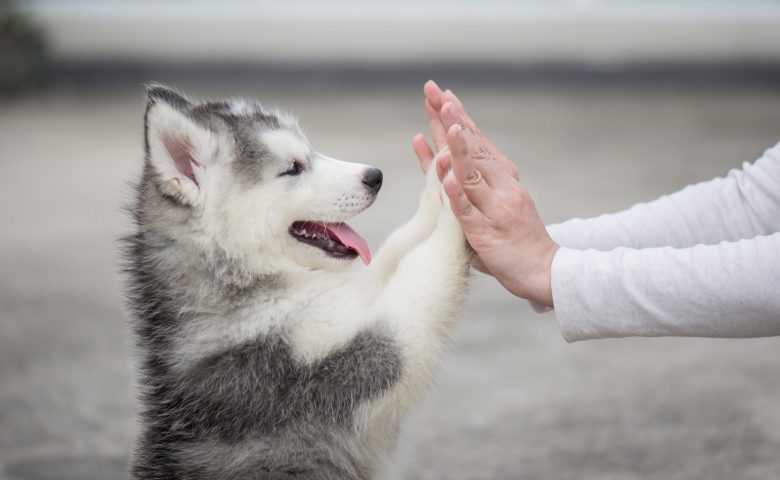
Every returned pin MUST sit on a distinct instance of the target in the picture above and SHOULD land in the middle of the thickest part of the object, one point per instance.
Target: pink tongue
(350, 238)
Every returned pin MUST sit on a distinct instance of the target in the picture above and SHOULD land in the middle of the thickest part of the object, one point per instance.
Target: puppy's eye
(295, 169)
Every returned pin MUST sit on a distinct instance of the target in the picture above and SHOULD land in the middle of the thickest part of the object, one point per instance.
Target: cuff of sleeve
(567, 296)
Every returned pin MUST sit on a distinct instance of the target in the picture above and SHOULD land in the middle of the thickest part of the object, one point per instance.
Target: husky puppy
(266, 349)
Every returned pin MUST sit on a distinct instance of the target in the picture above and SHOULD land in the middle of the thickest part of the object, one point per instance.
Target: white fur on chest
(316, 315)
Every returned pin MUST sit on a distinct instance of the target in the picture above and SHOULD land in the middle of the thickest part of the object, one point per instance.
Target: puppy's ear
(177, 148)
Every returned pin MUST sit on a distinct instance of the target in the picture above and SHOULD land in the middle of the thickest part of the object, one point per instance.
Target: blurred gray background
(601, 104)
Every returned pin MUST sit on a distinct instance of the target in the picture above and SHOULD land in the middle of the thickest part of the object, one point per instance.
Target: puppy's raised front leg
(413, 232)
(421, 300)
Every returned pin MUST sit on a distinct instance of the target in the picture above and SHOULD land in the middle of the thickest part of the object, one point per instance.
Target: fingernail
(432, 82)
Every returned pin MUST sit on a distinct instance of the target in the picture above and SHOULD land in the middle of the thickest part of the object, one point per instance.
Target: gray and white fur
(265, 351)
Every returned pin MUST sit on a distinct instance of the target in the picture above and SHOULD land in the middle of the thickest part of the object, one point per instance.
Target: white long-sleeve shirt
(704, 261)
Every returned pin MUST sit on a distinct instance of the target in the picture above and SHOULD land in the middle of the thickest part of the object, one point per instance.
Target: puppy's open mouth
(336, 239)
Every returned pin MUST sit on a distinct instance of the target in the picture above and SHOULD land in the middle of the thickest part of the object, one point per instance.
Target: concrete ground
(513, 400)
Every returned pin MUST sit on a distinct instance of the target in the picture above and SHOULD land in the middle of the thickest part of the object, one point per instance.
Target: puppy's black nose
(373, 179)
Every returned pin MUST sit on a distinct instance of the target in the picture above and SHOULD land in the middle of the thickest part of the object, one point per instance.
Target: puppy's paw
(443, 168)
(446, 219)
(433, 195)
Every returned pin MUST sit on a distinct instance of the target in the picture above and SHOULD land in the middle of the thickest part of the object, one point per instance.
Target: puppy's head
(243, 179)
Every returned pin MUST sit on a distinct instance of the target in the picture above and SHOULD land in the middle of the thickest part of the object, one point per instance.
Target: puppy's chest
(262, 385)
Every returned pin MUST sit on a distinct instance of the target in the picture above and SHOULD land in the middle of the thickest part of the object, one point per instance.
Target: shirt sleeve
(731, 289)
(743, 204)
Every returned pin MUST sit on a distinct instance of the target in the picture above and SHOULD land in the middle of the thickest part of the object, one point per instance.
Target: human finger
(449, 96)
(443, 163)
(423, 151)
(456, 113)
(466, 172)
(465, 212)
(433, 93)
(438, 132)
(484, 161)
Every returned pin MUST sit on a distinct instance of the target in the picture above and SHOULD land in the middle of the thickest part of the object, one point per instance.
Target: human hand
(439, 121)
(496, 212)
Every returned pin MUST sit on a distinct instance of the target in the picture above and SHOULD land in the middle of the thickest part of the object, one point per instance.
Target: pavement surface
(513, 400)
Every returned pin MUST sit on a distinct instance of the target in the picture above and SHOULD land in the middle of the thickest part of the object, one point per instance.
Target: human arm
(728, 289)
(731, 289)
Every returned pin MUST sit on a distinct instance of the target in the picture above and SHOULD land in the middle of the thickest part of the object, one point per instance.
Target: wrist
(537, 286)
(547, 295)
